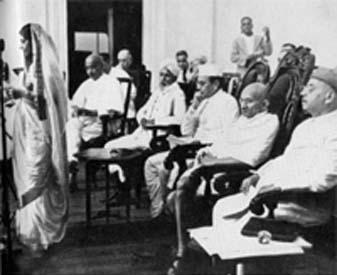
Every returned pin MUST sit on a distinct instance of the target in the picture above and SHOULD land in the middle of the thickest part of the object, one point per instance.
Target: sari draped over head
(39, 155)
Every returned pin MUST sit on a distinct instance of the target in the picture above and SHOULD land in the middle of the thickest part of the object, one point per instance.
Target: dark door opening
(90, 16)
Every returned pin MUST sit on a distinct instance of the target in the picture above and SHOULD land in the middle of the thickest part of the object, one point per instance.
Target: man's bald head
(94, 66)
(124, 59)
(253, 100)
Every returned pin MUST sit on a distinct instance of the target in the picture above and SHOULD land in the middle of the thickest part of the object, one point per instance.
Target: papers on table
(230, 244)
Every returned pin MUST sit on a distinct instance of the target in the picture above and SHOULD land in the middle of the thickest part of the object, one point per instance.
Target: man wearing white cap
(309, 161)
(165, 106)
(211, 113)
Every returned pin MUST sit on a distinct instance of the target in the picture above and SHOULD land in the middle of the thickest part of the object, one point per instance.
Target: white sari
(39, 153)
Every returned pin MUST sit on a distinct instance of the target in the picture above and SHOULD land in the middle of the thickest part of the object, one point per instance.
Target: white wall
(8, 31)
(50, 14)
(210, 26)
(308, 22)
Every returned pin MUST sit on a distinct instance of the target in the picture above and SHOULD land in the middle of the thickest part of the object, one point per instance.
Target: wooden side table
(127, 159)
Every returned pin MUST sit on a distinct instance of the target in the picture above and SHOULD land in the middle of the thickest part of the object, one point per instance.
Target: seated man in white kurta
(124, 62)
(98, 95)
(211, 113)
(165, 106)
(248, 141)
(309, 161)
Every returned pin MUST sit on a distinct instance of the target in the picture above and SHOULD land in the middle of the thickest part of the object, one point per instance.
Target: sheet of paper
(230, 244)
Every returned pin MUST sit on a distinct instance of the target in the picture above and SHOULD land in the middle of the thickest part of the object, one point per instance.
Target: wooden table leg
(127, 171)
(240, 269)
(88, 194)
(107, 192)
(128, 199)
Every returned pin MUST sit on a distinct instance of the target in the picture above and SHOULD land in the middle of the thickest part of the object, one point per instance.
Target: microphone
(2, 44)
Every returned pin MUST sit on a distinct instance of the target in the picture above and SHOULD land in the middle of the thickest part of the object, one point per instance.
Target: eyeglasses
(165, 74)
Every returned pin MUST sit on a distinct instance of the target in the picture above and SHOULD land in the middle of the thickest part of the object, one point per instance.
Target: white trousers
(78, 130)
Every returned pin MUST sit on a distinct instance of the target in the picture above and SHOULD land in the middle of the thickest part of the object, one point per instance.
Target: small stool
(101, 157)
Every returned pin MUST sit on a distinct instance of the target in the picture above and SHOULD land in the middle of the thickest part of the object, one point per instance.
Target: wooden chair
(113, 127)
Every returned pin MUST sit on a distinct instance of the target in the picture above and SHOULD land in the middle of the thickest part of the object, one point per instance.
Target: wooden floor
(138, 247)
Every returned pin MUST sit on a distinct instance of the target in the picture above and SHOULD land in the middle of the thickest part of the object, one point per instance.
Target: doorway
(111, 25)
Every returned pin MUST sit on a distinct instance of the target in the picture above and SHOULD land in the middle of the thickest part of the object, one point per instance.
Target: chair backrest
(189, 90)
(230, 82)
(284, 89)
(257, 72)
(114, 126)
(142, 80)
(126, 101)
(306, 62)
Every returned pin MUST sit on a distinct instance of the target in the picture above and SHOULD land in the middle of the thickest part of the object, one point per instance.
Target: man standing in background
(249, 47)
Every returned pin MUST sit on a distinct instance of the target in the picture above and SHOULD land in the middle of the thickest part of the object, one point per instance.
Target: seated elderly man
(248, 141)
(96, 96)
(165, 106)
(210, 114)
(309, 161)
(121, 70)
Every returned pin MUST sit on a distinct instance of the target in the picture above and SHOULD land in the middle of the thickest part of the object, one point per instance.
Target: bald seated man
(121, 71)
(308, 163)
(249, 141)
(96, 96)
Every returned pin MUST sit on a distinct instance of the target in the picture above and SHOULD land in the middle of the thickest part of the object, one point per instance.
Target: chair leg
(240, 269)
(127, 200)
(88, 195)
(73, 182)
(107, 192)
(138, 185)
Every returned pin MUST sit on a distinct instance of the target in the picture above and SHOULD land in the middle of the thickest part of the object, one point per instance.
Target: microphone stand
(7, 257)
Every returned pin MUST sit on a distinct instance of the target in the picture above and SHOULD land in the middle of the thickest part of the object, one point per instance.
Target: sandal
(176, 265)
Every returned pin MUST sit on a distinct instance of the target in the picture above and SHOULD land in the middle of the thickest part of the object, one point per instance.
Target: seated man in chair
(310, 160)
(165, 106)
(210, 114)
(121, 71)
(248, 141)
(98, 95)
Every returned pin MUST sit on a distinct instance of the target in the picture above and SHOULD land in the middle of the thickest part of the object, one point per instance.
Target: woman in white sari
(39, 154)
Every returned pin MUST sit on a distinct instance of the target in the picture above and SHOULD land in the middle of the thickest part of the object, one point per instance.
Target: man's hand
(12, 92)
(248, 182)
(205, 157)
(146, 122)
(75, 111)
(266, 32)
(197, 99)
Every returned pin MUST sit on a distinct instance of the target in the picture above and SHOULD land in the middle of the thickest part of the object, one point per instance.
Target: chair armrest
(170, 129)
(106, 118)
(226, 167)
(181, 152)
(270, 197)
